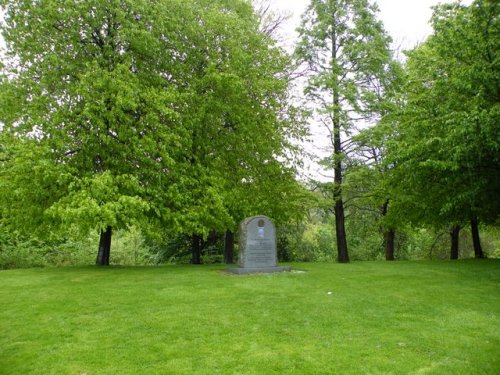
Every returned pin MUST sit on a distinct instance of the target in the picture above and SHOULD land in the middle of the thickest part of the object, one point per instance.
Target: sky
(405, 20)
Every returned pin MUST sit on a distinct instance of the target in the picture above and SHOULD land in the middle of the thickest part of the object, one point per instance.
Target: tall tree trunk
(228, 247)
(342, 254)
(478, 250)
(104, 250)
(454, 232)
(389, 236)
(195, 249)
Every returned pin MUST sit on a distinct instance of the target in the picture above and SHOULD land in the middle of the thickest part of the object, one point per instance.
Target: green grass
(380, 318)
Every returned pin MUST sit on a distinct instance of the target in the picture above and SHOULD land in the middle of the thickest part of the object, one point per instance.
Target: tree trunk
(104, 247)
(342, 254)
(389, 236)
(478, 250)
(229, 247)
(454, 232)
(195, 249)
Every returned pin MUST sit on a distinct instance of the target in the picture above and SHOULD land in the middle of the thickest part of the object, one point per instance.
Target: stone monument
(257, 247)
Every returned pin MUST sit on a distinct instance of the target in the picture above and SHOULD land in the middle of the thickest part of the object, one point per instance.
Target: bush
(129, 248)
(306, 242)
(21, 254)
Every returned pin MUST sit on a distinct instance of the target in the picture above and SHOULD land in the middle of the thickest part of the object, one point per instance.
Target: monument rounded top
(262, 221)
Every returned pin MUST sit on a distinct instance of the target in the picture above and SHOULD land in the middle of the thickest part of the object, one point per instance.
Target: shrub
(21, 254)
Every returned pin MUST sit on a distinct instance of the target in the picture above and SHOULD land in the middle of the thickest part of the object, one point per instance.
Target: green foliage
(111, 200)
(308, 241)
(21, 251)
(170, 248)
(21, 254)
(445, 148)
(312, 240)
(432, 160)
(73, 249)
(130, 249)
(348, 53)
(143, 113)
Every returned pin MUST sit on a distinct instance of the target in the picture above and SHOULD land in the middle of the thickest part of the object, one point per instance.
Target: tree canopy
(160, 111)
(176, 119)
(446, 150)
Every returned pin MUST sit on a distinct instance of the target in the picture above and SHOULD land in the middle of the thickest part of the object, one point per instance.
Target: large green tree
(446, 150)
(141, 108)
(347, 52)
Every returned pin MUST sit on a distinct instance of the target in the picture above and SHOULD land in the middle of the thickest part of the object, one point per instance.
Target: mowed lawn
(358, 318)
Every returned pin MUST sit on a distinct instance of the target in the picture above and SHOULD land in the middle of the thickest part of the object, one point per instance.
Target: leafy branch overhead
(145, 106)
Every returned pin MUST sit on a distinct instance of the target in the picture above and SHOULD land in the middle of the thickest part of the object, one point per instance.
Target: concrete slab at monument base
(243, 271)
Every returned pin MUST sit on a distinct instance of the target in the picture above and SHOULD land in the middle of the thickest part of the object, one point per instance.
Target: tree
(445, 148)
(368, 183)
(243, 123)
(347, 52)
(141, 106)
(270, 21)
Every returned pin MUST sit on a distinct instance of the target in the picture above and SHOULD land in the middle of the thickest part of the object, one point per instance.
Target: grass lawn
(358, 318)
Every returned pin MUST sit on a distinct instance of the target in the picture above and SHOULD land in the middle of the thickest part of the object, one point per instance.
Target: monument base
(243, 271)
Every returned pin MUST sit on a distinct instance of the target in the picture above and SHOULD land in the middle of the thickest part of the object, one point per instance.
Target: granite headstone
(257, 250)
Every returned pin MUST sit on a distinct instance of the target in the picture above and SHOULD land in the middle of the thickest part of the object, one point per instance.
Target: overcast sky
(407, 21)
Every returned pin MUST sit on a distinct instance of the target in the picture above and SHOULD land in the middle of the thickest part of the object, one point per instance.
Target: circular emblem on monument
(260, 223)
